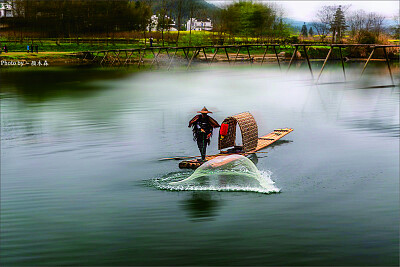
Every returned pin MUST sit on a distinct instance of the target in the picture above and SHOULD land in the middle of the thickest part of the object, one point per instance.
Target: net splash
(224, 173)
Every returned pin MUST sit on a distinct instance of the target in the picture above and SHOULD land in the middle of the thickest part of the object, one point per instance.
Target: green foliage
(69, 17)
(311, 32)
(200, 8)
(304, 30)
(367, 37)
(196, 38)
(292, 40)
(338, 25)
(251, 19)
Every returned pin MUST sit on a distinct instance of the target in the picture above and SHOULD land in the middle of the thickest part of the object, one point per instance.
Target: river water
(80, 150)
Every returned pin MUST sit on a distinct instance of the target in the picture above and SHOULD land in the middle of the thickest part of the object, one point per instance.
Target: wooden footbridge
(189, 53)
(186, 55)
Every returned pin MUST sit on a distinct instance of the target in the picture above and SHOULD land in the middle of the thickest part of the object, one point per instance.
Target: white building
(153, 26)
(5, 9)
(199, 24)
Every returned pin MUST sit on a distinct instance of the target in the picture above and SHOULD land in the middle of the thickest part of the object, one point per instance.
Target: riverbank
(68, 58)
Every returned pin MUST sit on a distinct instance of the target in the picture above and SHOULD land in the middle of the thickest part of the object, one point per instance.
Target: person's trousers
(202, 145)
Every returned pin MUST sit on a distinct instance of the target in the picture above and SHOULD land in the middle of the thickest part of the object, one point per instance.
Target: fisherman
(203, 126)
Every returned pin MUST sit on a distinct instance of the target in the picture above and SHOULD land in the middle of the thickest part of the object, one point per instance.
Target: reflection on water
(201, 205)
(78, 145)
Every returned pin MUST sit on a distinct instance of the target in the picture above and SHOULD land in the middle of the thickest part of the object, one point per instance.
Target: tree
(321, 28)
(356, 22)
(338, 24)
(179, 20)
(324, 18)
(365, 27)
(250, 19)
(304, 30)
(70, 18)
(395, 30)
(311, 32)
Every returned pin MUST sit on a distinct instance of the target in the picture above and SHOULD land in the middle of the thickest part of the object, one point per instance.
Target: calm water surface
(80, 147)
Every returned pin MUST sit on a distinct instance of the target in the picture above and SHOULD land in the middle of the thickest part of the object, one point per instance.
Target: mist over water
(81, 175)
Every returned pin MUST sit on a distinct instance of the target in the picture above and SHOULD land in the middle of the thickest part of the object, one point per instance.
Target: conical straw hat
(204, 110)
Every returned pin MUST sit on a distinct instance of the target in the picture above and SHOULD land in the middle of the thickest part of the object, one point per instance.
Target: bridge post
(341, 59)
(248, 52)
(128, 58)
(326, 59)
(172, 58)
(388, 63)
(291, 60)
(227, 56)
(141, 56)
(116, 57)
(205, 55)
(237, 53)
(216, 51)
(104, 57)
(265, 52)
(277, 58)
(155, 58)
(308, 61)
(186, 54)
(366, 63)
(195, 53)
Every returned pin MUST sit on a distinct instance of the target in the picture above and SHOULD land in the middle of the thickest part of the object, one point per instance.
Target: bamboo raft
(251, 142)
(263, 142)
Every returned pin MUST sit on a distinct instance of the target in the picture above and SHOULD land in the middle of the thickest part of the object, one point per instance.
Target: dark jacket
(206, 123)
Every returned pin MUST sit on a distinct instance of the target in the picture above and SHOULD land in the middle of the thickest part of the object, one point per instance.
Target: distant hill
(296, 24)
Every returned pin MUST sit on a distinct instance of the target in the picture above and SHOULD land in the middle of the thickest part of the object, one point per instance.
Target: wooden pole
(291, 60)
(205, 55)
(172, 58)
(186, 55)
(117, 55)
(308, 61)
(323, 66)
(341, 58)
(155, 58)
(227, 56)
(237, 53)
(265, 52)
(141, 57)
(94, 57)
(114, 58)
(388, 64)
(128, 57)
(104, 57)
(366, 63)
(195, 53)
(248, 52)
(277, 58)
(216, 51)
